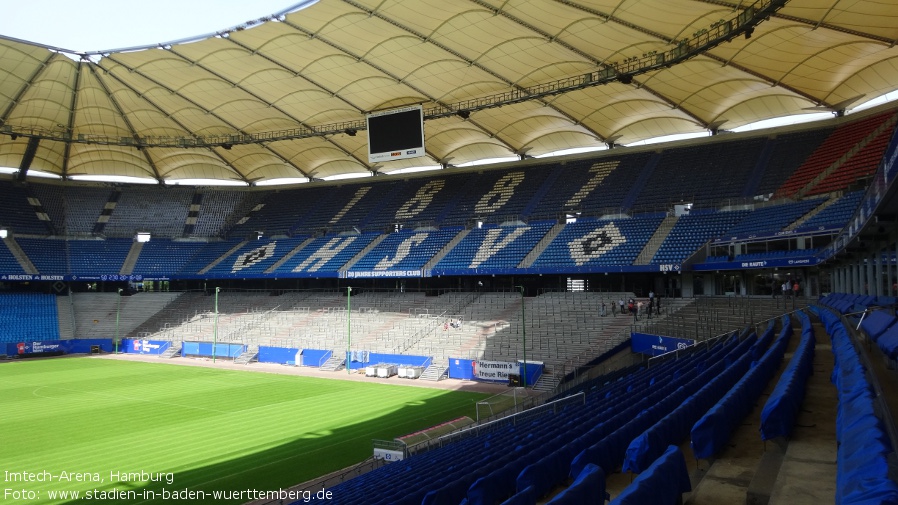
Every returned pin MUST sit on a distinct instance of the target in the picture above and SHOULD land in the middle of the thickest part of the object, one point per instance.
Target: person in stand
(648, 309)
(795, 289)
(786, 289)
(603, 309)
(658, 305)
(613, 308)
(620, 305)
(651, 297)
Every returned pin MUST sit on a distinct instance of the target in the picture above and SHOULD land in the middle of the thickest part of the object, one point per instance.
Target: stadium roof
(285, 96)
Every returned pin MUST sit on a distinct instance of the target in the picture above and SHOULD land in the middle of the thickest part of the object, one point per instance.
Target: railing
(324, 358)
(698, 345)
(427, 330)
(309, 488)
(72, 319)
(530, 409)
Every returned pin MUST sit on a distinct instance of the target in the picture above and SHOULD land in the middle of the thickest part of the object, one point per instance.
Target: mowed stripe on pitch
(225, 429)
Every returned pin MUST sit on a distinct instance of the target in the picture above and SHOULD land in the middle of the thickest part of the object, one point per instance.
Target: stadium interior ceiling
(284, 97)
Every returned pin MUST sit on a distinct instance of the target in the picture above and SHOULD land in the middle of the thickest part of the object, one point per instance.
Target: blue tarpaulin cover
(588, 487)
(862, 467)
(711, 433)
(781, 409)
(663, 483)
(876, 323)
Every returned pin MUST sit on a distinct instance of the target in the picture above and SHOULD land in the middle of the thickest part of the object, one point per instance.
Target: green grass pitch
(68, 422)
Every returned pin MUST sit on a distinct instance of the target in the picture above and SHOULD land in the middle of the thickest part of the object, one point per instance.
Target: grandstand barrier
(875, 193)
(138, 346)
(766, 262)
(210, 349)
(494, 371)
(655, 345)
(568, 382)
(57, 347)
(759, 237)
(293, 356)
(400, 359)
(362, 359)
(282, 355)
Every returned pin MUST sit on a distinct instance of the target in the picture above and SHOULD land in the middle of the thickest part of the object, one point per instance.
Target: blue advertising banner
(534, 371)
(46, 346)
(655, 345)
(798, 261)
(135, 346)
(281, 355)
(461, 369)
(75, 346)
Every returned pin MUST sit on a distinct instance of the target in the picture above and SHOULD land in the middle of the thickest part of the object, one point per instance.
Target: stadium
(420, 252)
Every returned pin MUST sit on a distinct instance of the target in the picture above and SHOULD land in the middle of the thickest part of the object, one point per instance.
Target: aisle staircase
(813, 212)
(337, 361)
(174, 351)
(654, 243)
(541, 246)
(435, 372)
(248, 356)
(547, 382)
(20, 256)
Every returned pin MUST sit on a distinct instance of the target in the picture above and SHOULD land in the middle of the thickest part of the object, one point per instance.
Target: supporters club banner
(495, 370)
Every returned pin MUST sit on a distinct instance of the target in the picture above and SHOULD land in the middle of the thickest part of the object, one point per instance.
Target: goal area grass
(124, 431)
